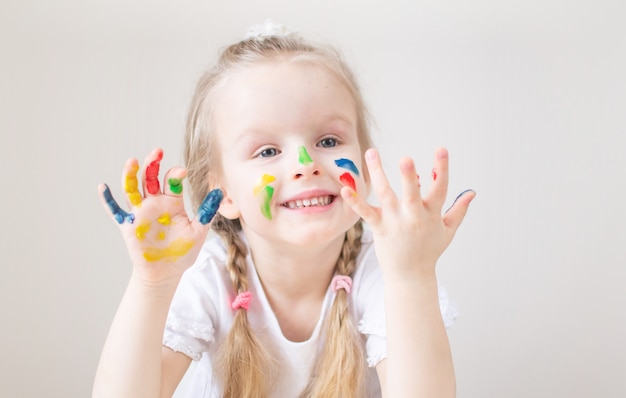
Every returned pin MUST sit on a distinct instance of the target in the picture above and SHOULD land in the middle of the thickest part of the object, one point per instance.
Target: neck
(295, 271)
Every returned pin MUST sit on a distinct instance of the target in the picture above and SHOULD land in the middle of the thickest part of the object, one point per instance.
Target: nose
(306, 166)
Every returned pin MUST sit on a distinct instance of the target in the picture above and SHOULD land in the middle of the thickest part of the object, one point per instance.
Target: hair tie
(341, 282)
(267, 29)
(241, 301)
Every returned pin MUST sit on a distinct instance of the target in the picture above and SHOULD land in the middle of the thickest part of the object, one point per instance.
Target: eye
(268, 152)
(327, 142)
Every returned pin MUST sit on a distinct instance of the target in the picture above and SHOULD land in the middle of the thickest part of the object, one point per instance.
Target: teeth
(298, 204)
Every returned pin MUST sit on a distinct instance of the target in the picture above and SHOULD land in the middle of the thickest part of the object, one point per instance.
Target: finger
(112, 207)
(410, 182)
(379, 181)
(368, 213)
(439, 187)
(130, 182)
(152, 165)
(454, 216)
(173, 181)
(209, 206)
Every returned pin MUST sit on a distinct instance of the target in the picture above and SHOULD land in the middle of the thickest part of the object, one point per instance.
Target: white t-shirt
(201, 316)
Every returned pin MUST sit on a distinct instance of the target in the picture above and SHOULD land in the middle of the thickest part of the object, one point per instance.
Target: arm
(409, 235)
(162, 243)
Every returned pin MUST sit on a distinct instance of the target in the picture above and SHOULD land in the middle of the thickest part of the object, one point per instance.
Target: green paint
(268, 192)
(303, 156)
(176, 185)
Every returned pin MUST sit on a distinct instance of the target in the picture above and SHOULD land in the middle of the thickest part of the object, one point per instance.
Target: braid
(242, 361)
(340, 369)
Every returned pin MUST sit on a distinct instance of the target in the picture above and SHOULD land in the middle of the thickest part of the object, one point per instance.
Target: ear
(228, 209)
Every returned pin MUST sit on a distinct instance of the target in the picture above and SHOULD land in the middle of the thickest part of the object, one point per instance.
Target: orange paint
(175, 250)
(131, 186)
(142, 230)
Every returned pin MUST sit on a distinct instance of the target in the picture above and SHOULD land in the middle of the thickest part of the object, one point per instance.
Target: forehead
(282, 94)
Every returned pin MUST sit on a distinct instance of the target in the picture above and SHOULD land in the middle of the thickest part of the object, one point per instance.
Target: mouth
(317, 201)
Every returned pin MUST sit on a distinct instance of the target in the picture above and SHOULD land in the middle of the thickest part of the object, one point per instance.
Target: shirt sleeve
(190, 323)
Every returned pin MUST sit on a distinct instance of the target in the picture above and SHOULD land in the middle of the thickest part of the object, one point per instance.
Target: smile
(311, 202)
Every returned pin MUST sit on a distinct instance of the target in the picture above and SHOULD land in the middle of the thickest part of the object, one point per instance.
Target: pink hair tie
(341, 282)
(241, 301)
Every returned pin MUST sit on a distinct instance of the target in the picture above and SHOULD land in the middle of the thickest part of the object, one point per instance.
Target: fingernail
(209, 206)
(370, 154)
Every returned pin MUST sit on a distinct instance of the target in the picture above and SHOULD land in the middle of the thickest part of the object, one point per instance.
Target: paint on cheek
(265, 179)
(346, 179)
(175, 250)
(176, 185)
(164, 219)
(131, 186)
(161, 235)
(268, 193)
(152, 175)
(347, 164)
(303, 156)
(142, 230)
(209, 206)
(119, 214)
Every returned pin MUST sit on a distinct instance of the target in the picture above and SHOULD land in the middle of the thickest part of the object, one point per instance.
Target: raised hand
(410, 231)
(161, 239)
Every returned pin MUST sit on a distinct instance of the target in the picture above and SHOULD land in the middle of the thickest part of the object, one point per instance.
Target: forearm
(419, 361)
(130, 364)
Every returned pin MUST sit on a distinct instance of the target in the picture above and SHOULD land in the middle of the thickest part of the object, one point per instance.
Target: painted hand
(410, 232)
(161, 239)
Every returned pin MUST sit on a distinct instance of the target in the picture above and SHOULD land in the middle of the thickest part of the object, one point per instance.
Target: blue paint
(209, 206)
(119, 214)
(347, 164)
(457, 198)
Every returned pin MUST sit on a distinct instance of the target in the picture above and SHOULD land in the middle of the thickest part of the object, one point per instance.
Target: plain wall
(528, 96)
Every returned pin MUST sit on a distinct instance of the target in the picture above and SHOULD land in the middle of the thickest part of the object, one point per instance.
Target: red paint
(434, 175)
(152, 175)
(346, 179)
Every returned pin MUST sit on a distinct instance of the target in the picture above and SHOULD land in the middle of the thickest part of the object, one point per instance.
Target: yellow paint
(176, 249)
(164, 219)
(265, 179)
(132, 186)
(142, 230)
(161, 235)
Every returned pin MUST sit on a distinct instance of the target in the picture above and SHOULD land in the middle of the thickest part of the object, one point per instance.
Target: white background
(529, 97)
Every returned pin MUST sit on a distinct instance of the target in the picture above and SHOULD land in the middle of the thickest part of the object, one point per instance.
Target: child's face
(288, 139)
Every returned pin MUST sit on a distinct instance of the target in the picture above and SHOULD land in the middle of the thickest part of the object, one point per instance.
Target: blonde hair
(244, 363)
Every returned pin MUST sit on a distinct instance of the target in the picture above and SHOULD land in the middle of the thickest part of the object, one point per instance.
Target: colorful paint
(152, 174)
(346, 179)
(347, 164)
(268, 193)
(131, 186)
(434, 173)
(164, 219)
(161, 235)
(142, 230)
(209, 206)
(175, 250)
(119, 214)
(265, 179)
(303, 156)
(176, 185)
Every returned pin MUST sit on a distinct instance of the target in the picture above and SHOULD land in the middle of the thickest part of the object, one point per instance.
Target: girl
(288, 301)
